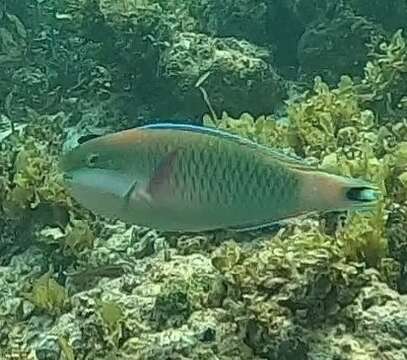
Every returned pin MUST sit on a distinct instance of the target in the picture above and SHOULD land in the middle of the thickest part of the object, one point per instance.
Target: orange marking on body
(124, 137)
(322, 191)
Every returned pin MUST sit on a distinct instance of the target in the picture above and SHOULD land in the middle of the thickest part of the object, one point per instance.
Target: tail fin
(329, 192)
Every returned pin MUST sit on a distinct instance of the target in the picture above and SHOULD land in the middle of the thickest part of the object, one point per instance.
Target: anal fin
(254, 227)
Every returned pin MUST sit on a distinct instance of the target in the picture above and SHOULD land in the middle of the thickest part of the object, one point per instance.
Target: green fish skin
(187, 178)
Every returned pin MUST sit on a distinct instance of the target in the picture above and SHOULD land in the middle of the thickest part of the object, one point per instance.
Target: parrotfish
(187, 178)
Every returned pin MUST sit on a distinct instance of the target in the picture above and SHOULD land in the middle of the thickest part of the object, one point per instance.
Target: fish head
(117, 151)
(90, 155)
(98, 175)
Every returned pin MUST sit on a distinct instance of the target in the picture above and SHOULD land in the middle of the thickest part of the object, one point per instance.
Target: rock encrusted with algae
(336, 45)
(391, 15)
(233, 73)
(156, 308)
(152, 55)
(292, 296)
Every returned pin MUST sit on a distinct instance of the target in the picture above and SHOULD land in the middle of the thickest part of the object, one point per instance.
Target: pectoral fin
(129, 193)
(136, 192)
(145, 191)
(159, 182)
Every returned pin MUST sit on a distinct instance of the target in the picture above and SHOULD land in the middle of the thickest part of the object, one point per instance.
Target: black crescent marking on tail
(356, 194)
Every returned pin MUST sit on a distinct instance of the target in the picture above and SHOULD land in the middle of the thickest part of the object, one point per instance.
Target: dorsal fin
(296, 163)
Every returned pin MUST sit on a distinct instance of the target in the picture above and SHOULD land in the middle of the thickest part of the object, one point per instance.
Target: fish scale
(220, 178)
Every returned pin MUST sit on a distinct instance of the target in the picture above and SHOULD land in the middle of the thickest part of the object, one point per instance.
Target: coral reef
(391, 15)
(325, 49)
(153, 57)
(328, 286)
(233, 73)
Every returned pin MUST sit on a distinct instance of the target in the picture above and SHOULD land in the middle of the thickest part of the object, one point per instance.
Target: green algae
(364, 238)
(78, 237)
(31, 163)
(48, 295)
(67, 350)
(384, 77)
(111, 314)
(113, 318)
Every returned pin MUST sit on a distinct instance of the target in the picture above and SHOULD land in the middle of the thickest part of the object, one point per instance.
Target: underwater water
(285, 119)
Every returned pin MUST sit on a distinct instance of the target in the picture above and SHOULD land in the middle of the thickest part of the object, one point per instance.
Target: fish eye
(92, 160)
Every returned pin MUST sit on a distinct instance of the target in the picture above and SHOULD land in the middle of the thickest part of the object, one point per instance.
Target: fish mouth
(96, 180)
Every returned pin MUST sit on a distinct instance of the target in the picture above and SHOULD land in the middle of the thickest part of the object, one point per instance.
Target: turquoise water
(321, 81)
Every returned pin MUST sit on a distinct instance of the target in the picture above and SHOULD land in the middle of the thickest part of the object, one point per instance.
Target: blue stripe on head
(195, 129)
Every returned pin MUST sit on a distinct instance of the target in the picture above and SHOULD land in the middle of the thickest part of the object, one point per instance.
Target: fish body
(190, 178)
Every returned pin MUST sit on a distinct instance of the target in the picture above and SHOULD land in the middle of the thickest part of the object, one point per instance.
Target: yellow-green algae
(48, 295)
(32, 194)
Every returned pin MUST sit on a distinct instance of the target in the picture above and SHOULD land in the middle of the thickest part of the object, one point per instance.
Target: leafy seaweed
(48, 295)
